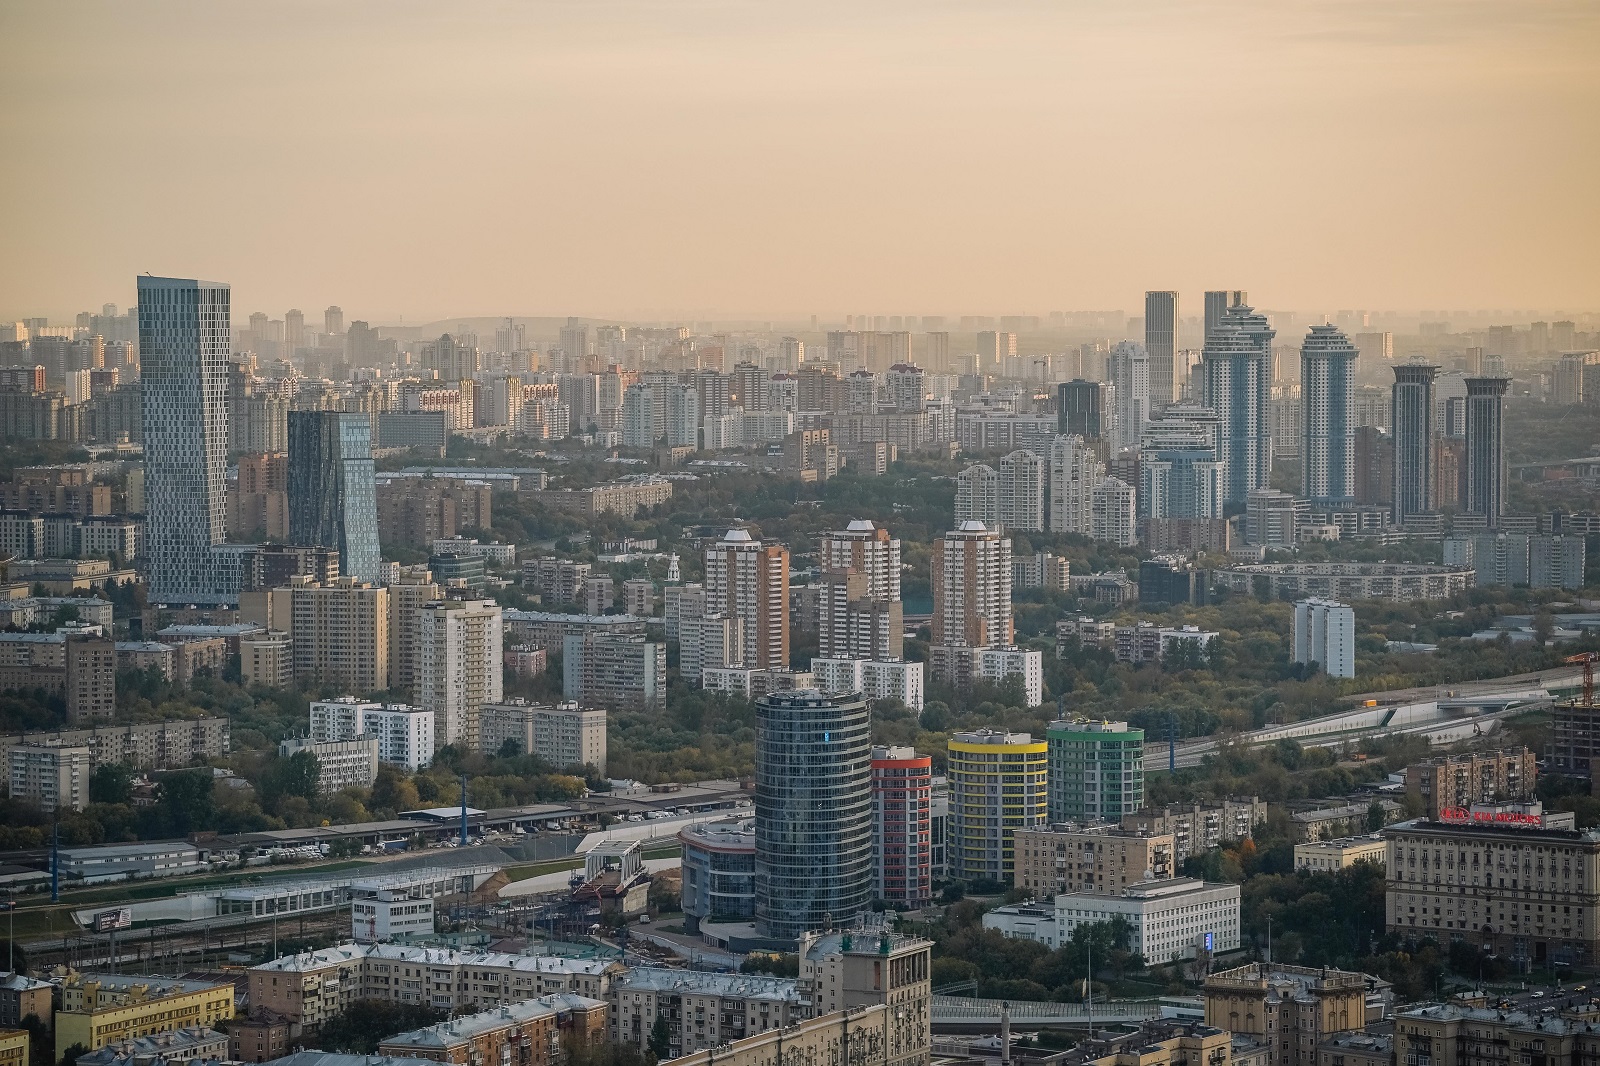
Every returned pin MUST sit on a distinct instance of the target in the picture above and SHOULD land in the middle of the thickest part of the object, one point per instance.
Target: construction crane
(1587, 660)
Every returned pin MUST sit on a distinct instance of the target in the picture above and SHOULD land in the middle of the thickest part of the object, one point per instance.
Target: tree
(510, 748)
(71, 1055)
(298, 775)
(111, 783)
(661, 1038)
(1374, 816)
(185, 801)
(368, 1021)
(394, 791)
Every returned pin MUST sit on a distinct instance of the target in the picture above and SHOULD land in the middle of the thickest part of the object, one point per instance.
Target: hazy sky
(658, 157)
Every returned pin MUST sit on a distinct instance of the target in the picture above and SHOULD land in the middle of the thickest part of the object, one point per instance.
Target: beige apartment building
(1511, 879)
(146, 746)
(407, 597)
(1509, 775)
(314, 986)
(1198, 827)
(1291, 1009)
(563, 735)
(867, 967)
(1326, 856)
(1069, 857)
(703, 1009)
(340, 633)
(534, 1032)
(824, 1040)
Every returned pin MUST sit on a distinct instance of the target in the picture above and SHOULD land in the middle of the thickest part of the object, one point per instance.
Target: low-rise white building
(997, 664)
(893, 679)
(1325, 856)
(390, 914)
(341, 763)
(404, 733)
(1172, 918)
(497, 554)
(126, 862)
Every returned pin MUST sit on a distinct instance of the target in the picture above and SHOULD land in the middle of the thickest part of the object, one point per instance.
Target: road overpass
(961, 1012)
(1446, 714)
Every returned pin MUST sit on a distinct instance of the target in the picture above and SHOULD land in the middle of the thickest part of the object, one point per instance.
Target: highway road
(1401, 711)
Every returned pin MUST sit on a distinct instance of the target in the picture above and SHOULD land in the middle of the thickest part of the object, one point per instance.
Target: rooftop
(461, 1030)
(157, 986)
(732, 985)
(347, 953)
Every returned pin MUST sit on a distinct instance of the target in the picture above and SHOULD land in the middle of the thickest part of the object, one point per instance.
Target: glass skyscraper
(1486, 448)
(813, 811)
(1327, 441)
(1160, 342)
(1238, 379)
(184, 339)
(1413, 440)
(332, 491)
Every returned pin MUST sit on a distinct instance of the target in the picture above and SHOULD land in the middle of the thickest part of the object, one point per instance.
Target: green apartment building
(1096, 770)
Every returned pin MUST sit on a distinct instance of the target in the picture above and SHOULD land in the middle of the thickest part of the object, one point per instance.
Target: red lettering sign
(1462, 816)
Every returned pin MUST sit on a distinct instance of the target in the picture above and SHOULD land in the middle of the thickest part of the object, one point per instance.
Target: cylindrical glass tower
(813, 811)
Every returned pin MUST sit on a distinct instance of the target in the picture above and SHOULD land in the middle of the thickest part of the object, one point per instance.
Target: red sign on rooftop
(1463, 816)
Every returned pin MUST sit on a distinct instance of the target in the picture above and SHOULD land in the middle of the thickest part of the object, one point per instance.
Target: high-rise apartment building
(184, 340)
(1129, 369)
(91, 679)
(1412, 414)
(997, 786)
(414, 590)
(1218, 301)
(1075, 470)
(1160, 344)
(333, 320)
(404, 733)
(978, 495)
(994, 350)
(1078, 407)
(936, 352)
(563, 735)
(53, 777)
(340, 633)
(750, 581)
(813, 829)
(1325, 633)
(902, 825)
(1179, 474)
(859, 611)
(459, 662)
(1237, 364)
(972, 588)
(1327, 442)
(332, 486)
(294, 331)
(1019, 494)
(1096, 770)
(1112, 517)
(614, 670)
(1486, 448)
(1510, 775)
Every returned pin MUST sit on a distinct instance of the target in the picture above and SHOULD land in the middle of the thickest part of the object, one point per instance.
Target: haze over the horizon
(718, 158)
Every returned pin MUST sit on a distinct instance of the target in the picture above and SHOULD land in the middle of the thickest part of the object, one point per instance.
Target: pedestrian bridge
(974, 1013)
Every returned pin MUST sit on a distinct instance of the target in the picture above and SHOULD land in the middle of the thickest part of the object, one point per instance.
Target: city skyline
(695, 146)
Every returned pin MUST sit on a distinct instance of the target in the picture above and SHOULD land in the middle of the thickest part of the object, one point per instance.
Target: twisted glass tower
(184, 339)
(332, 488)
